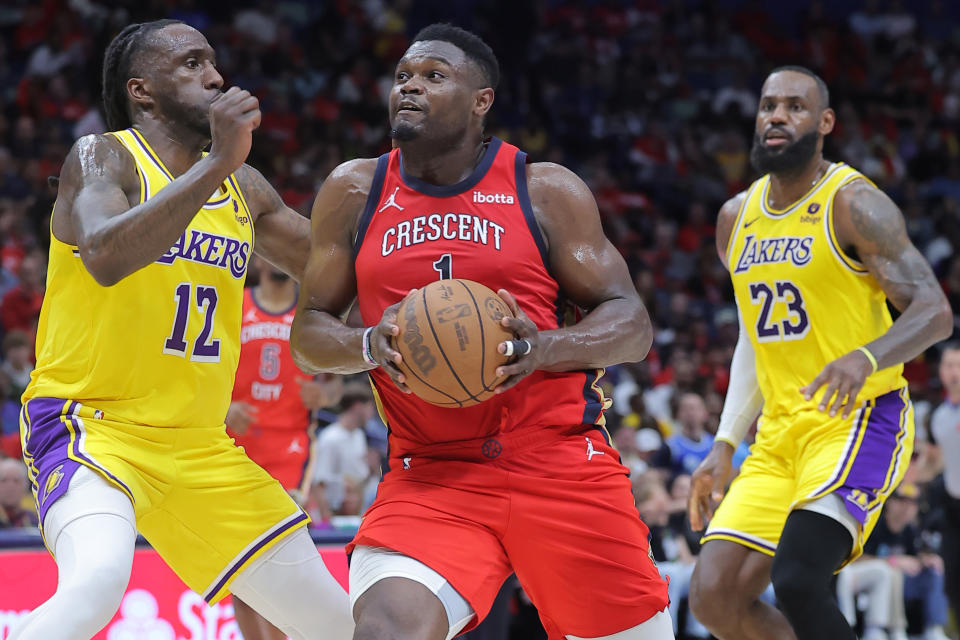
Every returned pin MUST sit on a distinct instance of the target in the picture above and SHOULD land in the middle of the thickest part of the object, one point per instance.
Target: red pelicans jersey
(481, 229)
(268, 379)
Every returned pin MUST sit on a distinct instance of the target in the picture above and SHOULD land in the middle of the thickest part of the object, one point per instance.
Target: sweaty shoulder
(95, 160)
(343, 195)
(558, 196)
(725, 221)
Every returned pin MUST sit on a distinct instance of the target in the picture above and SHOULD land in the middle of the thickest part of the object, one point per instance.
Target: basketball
(449, 333)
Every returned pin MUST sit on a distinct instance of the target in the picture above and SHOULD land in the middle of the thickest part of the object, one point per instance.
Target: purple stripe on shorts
(882, 443)
(239, 563)
(48, 445)
(733, 534)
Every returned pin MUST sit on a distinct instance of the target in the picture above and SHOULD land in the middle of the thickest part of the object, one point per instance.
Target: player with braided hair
(150, 241)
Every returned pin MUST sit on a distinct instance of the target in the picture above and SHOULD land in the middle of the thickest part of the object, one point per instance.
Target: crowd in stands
(650, 101)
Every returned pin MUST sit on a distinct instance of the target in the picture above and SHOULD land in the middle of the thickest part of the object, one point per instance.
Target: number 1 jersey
(160, 347)
(483, 229)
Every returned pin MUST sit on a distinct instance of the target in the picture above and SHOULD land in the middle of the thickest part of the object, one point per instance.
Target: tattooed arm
(867, 220)
(282, 234)
(870, 227)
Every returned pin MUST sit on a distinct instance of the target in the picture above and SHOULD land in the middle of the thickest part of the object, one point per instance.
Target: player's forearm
(130, 241)
(927, 320)
(744, 400)
(321, 343)
(616, 331)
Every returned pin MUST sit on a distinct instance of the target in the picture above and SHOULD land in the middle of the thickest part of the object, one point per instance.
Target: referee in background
(945, 433)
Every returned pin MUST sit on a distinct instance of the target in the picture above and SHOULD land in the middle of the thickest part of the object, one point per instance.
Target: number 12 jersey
(160, 347)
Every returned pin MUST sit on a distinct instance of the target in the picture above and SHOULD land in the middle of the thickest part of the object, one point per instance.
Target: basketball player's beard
(195, 119)
(790, 159)
(404, 132)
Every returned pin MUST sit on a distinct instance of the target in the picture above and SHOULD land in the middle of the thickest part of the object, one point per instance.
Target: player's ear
(483, 101)
(827, 119)
(139, 91)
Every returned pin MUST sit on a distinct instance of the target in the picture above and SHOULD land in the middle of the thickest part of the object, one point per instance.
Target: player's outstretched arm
(869, 222)
(319, 339)
(94, 212)
(591, 271)
(283, 235)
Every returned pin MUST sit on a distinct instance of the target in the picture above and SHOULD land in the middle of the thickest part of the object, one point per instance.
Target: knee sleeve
(91, 534)
(811, 548)
(292, 588)
(659, 627)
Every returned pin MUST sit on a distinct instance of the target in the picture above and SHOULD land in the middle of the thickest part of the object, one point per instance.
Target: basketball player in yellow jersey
(814, 250)
(122, 423)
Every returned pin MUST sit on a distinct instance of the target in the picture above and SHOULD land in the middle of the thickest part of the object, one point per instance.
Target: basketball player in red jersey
(526, 481)
(269, 414)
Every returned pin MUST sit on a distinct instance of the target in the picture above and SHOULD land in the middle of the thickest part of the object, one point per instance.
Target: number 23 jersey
(804, 302)
(160, 347)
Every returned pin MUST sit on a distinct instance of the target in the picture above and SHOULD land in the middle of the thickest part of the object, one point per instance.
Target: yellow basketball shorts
(800, 458)
(206, 508)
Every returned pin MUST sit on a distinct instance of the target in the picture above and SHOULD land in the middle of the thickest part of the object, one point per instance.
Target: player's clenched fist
(234, 115)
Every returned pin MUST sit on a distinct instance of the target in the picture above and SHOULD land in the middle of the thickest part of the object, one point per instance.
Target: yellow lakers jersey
(160, 347)
(804, 302)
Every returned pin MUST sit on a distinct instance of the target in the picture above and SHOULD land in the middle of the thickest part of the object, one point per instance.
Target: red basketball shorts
(552, 505)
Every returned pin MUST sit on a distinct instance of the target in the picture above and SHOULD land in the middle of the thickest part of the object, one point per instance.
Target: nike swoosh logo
(747, 224)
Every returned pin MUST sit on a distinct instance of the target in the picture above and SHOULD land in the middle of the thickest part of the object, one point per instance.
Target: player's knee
(388, 612)
(385, 624)
(793, 581)
(709, 598)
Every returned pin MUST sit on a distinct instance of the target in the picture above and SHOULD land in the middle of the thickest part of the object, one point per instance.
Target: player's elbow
(641, 334)
(942, 323)
(100, 269)
(298, 351)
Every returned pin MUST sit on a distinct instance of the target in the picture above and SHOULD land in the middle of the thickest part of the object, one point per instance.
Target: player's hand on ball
(524, 348)
(844, 377)
(708, 483)
(381, 347)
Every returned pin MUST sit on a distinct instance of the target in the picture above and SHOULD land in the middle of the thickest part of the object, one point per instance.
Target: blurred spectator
(17, 361)
(692, 443)
(20, 307)
(896, 540)
(16, 504)
(945, 436)
(669, 547)
(341, 453)
(880, 583)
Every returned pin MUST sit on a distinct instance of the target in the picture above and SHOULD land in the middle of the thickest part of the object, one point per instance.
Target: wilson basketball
(449, 333)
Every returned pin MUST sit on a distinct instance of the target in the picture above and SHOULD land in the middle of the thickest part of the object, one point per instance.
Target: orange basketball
(449, 333)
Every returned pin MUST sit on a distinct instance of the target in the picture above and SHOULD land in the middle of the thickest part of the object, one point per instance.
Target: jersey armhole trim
(853, 265)
(523, 195)
(376, 187)
(243, 201)
(734, 234)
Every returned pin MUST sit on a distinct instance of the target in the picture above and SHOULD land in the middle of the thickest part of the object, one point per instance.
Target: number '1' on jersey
(482, 229)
